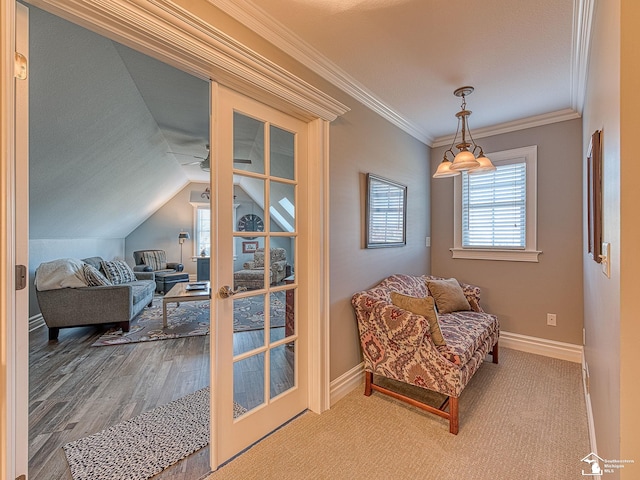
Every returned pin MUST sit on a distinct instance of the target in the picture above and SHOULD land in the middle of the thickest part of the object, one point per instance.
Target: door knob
(226, 291)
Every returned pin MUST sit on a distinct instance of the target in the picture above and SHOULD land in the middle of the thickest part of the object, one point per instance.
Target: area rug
(187, 320)
(248, 312)
(145, 445)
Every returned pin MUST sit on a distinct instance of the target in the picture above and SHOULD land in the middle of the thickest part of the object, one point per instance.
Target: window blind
(494, 207)
(386, 210)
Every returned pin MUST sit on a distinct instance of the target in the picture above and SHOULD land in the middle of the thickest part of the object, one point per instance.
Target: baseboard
(36, 322)
(346, 382)
(542, 346)
(587, 401)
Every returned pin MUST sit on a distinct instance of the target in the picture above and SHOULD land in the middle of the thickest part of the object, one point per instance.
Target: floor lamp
(182, 236)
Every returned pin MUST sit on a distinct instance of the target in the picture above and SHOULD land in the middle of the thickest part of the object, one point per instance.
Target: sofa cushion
(448, 295)
(118, 272)
(142, 289)
(61, 273)
(464, 333)
(421, 306)
(156, 259)
(93, 276)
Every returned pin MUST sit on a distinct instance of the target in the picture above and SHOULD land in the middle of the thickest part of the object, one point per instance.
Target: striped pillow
(93, 276)
(156, 259)
(118, 272)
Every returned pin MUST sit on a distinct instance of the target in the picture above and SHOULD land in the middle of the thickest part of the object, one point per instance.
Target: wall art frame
(386, 213)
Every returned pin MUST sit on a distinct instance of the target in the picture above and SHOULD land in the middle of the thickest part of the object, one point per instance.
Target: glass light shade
(465, 160)
(485, 165)
(444, 170)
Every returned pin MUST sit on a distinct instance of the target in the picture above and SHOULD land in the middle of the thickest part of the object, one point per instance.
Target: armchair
(167, 274)
(252, 274)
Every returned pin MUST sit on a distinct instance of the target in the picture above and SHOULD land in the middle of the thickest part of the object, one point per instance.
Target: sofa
(71, 303)
(251, 276)
(403, 345)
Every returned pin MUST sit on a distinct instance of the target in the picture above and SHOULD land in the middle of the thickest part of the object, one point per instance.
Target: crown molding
(581, 43)
(522, 124)
(260, 22)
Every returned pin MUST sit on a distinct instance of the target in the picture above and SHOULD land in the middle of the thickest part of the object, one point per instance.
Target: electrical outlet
(551, 319)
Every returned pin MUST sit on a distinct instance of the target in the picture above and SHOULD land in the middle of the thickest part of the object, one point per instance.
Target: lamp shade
(444, 170)
(182, 236)
(485, 165)
(465, 160)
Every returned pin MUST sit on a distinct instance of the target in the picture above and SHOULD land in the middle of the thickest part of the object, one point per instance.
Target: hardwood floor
(77, 390)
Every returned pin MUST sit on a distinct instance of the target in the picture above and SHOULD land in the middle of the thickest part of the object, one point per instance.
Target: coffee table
(184, 292)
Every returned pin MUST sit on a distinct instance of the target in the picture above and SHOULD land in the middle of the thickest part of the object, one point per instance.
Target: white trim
(36, 322)
(581, 42)
(274, 32)
(587, 400)
(541, 346)
(528, 254)
(165, 30)
(345, 383)
(260, 22)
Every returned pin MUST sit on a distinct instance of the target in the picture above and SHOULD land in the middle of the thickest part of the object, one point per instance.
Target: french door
(259, 355)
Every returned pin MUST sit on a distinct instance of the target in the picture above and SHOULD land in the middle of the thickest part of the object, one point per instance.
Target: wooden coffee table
(184, 292)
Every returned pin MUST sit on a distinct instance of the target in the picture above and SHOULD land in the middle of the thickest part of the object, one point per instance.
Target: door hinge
(21, 277)
(20, 66)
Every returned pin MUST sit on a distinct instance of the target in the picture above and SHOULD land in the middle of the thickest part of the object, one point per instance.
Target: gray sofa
(74, 307)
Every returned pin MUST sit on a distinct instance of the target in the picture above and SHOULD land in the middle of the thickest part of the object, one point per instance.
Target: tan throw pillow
(421, 306)
(448, 295)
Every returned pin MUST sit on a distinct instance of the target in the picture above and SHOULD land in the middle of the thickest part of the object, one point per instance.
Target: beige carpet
(522, 419)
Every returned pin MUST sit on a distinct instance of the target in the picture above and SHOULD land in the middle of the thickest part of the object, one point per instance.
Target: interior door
(259, 347)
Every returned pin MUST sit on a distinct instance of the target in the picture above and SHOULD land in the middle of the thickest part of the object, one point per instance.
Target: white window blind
(494, 207)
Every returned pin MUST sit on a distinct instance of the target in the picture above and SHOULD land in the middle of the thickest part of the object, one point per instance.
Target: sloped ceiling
(103, 119)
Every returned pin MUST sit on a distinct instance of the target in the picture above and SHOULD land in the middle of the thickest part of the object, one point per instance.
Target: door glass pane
(248, 382)
(282, 207)
(282, 153)
(248, 143)
(249, 197)
(277, 315)
(248, 323)
(282, 367)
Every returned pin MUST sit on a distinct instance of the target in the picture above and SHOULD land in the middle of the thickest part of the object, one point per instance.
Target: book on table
(196, 286)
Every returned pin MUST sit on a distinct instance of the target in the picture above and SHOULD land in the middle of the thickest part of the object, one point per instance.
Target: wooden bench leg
(453, 415)
(368, 380)
(494, 353)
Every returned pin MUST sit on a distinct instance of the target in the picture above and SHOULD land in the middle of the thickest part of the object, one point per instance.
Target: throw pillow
(93, 276)
(156, 259)
(421, 306)
(448, 295)
(118, 272)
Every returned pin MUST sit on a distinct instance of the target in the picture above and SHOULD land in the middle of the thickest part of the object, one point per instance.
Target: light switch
(605, 259)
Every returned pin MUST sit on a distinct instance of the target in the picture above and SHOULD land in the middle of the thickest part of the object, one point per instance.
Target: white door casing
(172, 34)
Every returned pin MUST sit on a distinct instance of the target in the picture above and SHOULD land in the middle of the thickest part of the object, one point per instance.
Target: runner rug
(145, 445)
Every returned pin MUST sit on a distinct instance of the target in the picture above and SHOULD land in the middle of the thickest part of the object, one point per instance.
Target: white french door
(259, 343)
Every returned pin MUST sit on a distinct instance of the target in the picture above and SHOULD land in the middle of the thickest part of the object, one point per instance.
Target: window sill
(491, 254)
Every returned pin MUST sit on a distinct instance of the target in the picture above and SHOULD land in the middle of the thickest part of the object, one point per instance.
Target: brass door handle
(226, 291)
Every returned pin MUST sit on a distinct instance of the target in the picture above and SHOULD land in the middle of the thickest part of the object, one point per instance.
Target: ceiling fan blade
(242, 160)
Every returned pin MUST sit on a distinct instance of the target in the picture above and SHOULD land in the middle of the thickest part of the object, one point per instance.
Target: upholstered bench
(166, 280)
(415, 345)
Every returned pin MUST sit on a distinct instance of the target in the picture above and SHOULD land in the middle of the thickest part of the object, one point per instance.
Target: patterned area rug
(192, 319)
(187, 320)
(143, 446)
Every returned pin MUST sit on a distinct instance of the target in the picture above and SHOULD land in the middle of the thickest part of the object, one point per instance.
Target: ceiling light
(472, 160)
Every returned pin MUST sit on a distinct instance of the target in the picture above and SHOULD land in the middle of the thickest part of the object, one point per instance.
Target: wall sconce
(182, 236)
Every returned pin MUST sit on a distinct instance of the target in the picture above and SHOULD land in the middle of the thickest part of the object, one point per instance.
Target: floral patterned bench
(399, 345)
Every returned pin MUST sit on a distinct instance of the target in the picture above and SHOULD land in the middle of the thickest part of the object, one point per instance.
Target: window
(496, 211)
(203, 230)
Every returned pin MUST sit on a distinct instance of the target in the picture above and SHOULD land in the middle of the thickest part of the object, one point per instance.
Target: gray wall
(160, 231)
(522, 293)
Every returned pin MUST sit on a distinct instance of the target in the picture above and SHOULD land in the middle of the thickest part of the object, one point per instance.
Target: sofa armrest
(178, 267)
(250, 265)
(146, 275)
(472, 294)
(279, 266)
(142, 268)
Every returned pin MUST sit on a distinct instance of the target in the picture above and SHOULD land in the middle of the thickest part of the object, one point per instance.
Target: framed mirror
(386, 213)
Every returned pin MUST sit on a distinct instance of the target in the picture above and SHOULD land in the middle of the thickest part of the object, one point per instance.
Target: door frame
(166, 31)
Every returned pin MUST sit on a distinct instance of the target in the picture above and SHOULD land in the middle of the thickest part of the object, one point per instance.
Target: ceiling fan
(205, 163)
